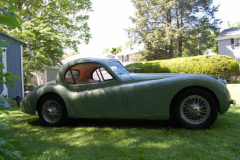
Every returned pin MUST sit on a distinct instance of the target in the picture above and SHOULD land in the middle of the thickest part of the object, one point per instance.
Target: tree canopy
(114, 50)
(233, 25)
(174, 28)
(48, 27)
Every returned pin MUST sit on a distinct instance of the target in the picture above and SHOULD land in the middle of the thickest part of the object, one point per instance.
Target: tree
(106, 51)
(48, 27)
(154, 27)
(70, 53)
(114, 50)
(168, 27)
(232, 26)
(128, 43)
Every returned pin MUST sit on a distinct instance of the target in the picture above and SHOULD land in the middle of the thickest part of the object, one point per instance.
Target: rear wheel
(195, 108)
(52, 111)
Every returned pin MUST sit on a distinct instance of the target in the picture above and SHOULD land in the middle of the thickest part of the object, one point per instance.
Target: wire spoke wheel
(51, 111)
(195, 109)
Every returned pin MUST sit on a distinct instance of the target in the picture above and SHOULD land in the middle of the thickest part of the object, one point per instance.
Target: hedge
(29, 87)
(222, 66)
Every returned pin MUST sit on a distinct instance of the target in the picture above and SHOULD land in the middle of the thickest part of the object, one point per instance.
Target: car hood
(144, 77)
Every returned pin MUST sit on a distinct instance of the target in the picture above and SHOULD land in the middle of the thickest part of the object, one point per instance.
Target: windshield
(118, 68)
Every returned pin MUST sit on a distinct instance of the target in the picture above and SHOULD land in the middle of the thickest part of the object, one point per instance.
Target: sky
(228, 11)
(110, 17)
(107, 23)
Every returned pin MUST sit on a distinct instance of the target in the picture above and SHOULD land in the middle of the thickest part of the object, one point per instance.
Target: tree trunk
(178, 27)
(171, 50)
(169, 21)
(180, 39)
(180, 46)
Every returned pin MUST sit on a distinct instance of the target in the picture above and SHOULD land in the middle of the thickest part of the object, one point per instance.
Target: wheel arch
(50, 93)
(193, 87)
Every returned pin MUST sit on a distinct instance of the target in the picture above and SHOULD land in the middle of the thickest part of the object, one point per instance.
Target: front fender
(152, 99)
(215, 86)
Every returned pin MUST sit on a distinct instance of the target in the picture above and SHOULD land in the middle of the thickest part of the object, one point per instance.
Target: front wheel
(52, 111)
(195, 109)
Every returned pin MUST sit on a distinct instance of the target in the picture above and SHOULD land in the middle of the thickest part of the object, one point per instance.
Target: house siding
(41, 77)
(13, 56)
(131, 58)
(51, 74)
(226, 48)
(120, 59)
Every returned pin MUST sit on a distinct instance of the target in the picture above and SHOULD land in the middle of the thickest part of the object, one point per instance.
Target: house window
(125, 58)
(237, 42)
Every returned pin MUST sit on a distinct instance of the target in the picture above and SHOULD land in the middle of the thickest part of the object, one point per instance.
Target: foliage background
(222, 66)
(174, 28)
(48, 28)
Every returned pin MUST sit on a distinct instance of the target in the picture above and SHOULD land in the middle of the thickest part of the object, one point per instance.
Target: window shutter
(122, 58)
(232, 41)
(127, 58)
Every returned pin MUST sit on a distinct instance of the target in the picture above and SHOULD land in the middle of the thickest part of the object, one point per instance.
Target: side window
(97, 75)
(101, 75)
(72, 74)
(106, 75)
(87, 73)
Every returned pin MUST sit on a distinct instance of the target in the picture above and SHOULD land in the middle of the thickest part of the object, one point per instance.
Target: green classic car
(103, 88)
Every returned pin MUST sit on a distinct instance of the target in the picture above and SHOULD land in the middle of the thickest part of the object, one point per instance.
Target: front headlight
(223, 81)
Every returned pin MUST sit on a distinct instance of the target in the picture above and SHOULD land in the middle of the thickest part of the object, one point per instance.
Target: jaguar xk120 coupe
(104, 88)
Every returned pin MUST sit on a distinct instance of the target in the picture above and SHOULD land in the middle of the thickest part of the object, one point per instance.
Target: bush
(222, 66)
(29, 87)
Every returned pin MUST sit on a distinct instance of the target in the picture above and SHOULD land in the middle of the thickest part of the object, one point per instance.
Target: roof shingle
(229, 32)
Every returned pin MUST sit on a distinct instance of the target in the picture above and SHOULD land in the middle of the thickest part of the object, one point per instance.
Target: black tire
(195, 108)
(52, 111)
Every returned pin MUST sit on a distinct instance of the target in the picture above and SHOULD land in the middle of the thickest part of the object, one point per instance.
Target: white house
(229, 43)
(130, 54)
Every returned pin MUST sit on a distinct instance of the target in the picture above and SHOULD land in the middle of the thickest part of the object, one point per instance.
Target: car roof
(66, 66)
(103, 61)
(92, 59)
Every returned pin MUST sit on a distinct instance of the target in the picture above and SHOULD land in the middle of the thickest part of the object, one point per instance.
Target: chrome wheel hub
(51, 111)
(195, 109)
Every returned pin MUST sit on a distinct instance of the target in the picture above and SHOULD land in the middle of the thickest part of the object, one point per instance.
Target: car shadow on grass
(113, 123)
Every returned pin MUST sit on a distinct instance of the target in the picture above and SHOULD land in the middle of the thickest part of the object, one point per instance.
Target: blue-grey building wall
(13, 55)
(1, 83)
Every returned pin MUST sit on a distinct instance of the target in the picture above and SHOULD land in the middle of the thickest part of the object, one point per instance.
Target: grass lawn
(122, 139)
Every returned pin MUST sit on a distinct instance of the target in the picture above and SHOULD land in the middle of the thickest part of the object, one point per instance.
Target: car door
(94, 96)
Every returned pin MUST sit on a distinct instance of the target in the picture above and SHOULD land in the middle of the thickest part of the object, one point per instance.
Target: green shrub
(222, 66)
(29, 87)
